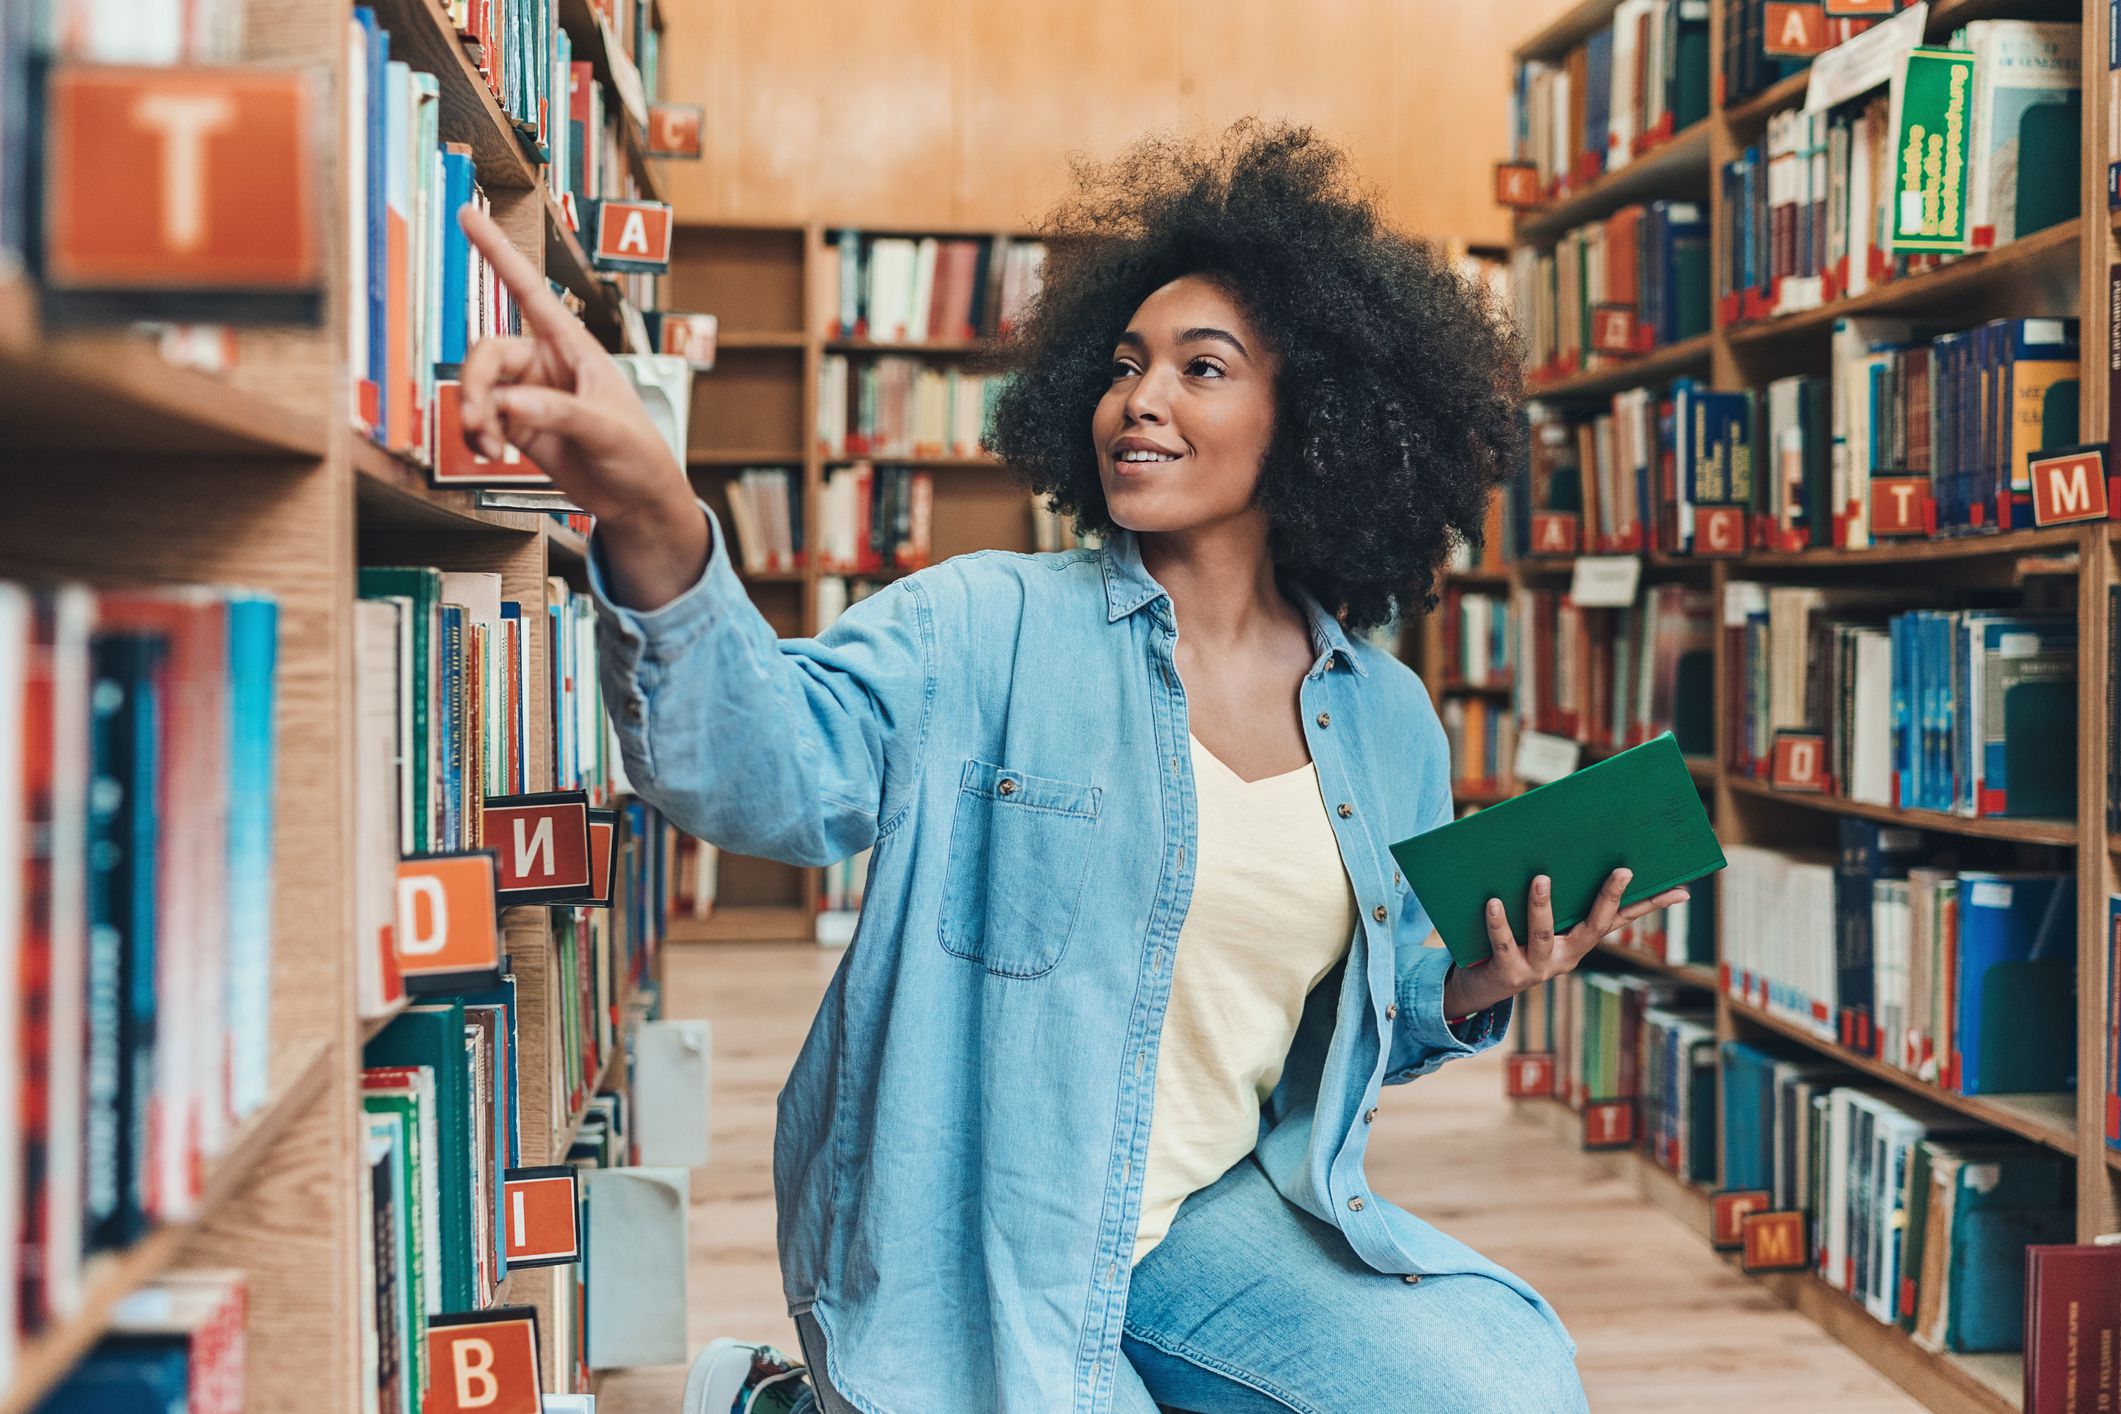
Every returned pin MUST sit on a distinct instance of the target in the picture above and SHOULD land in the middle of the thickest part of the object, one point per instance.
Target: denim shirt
(959, 1154)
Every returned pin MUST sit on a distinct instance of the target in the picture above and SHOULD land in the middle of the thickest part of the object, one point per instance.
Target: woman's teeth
(1148, 456)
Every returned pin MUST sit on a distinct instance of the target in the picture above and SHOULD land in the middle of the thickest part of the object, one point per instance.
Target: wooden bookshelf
(766, 285)
(130, 470)
(1675, 167)
(1656, 366)
(2058, 271)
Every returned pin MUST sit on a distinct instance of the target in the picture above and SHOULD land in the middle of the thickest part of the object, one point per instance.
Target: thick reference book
(1637, 810)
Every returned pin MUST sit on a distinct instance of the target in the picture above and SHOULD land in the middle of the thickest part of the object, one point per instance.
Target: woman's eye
(1123, 369)
(1204, 368)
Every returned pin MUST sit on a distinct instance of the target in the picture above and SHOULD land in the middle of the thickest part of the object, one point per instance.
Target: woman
(1080, 1123)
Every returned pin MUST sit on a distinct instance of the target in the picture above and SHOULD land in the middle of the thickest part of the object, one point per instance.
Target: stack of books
(901, 407)
(929, 289)
(1652, 258)
(1613, 678)
(1627, 88)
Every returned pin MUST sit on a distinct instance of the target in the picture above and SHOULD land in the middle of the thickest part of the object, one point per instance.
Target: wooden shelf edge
(566, 542)
(1987, 1109)
(2048, 832)
(918, 462)
(393, 491)
(112, 391)
(707, 459)
(45, 1358)
(1694, 974)
(1966, 274)
(1953, 547)
(909, 346)
(1640, 371)
(1783, 93)
(1650, 175)
(744, 339)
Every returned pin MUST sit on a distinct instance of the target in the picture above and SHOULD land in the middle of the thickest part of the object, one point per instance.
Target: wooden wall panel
(951, 113)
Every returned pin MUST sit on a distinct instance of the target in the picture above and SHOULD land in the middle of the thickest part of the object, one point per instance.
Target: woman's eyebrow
(1189, 336)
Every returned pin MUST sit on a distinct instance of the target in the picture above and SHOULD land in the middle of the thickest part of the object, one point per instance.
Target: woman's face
(1183, 429)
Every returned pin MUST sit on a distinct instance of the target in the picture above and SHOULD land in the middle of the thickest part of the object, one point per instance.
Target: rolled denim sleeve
(802, 750)
(1422, 1039)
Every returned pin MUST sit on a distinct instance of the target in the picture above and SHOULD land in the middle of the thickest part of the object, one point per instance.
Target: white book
(923, 291)
(637, 1307)
(377, 635)
(1871, 725)
(2020, 67)
(1626, 101)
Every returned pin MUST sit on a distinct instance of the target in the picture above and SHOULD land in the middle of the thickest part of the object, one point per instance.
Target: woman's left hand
(1516, 967)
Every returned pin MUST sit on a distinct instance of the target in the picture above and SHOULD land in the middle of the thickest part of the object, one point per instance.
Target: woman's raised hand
(558, 396)
(1517, 967)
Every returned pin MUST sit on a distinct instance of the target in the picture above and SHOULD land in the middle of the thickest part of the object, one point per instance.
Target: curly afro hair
(1396, 409)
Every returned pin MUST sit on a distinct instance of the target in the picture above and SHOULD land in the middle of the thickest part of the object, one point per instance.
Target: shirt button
(1181, 856)
(1378, 913)
(1355, 1205)
(1007, 787)
(1391, 1011)
(1411, 1280)
(1395, 878)
(1325, 719)
(1369, 1116)
(1345, 809)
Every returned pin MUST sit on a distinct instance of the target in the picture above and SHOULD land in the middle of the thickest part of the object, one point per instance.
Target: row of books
(1475, 629)
(927, 289)
(902, 407)
(1956, 976)
(135, 917)
(1627, 87)
(1482, 734)
(1613, 678)
(178, 1343)
(1815, 206)
(589, 162)
(520, 51)
(1616, 1035)
(419, 295)
(1629, 476)
(1971, 711)
(1758, 55)
(1646, 265)
(1921, 1215)
(872, 520)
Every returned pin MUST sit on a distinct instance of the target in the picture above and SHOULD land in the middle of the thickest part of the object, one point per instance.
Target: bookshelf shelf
(1475, 579)
(566, 542)
(1686, 356)
(2048, 1120)
(593, 42)
(46, 1357)
(1675, 168)
(923, 463)
(761, 339)
(393, 492)
(773, 576)
(114, 392)
(710, 459)
(948, 347)
(1567, 30)
(2049, 832)
(1702, 769)
(1752, 112)
(1694, 974)
(1960, 547)
(1459, 687)
(2043, 263)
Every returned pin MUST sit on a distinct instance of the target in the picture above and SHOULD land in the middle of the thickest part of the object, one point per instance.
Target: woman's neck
(1220, 578)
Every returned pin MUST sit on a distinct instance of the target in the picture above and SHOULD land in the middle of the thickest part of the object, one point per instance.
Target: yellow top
(1272, 913)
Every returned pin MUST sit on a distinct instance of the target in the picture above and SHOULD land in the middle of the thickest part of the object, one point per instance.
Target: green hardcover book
(1637, 810)
(433, 1036)
(422, 584)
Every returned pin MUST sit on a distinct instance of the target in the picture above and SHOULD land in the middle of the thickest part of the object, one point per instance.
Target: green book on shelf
(1638, 810)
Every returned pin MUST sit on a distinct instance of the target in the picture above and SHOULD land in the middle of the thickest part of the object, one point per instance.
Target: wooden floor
(1662, 1326)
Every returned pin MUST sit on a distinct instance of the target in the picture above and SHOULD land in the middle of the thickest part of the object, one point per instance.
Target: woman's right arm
(802, 750)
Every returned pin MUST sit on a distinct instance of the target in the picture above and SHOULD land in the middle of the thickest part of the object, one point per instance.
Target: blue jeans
(1252, 1306)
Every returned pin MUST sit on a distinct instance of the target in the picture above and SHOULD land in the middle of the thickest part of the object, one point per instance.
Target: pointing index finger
(533, 297)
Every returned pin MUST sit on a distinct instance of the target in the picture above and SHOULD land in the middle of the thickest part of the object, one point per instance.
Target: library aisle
(1662, 1325)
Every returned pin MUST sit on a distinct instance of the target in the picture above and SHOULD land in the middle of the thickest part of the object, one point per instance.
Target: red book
(2072, 1329)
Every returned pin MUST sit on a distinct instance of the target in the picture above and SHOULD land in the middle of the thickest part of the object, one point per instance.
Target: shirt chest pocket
(1019, 855)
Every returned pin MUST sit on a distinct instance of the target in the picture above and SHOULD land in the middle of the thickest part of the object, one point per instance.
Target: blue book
(503, 998)
(253, 655)
(130, 1377)
(458, 177)
(377, 372)
(2017, 972)
(1870, 851)
(454, 736)
(1597, 98)
(125, 735)
(2005, 1199)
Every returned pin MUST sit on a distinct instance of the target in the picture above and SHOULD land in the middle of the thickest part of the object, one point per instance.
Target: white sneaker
(722, 1374)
